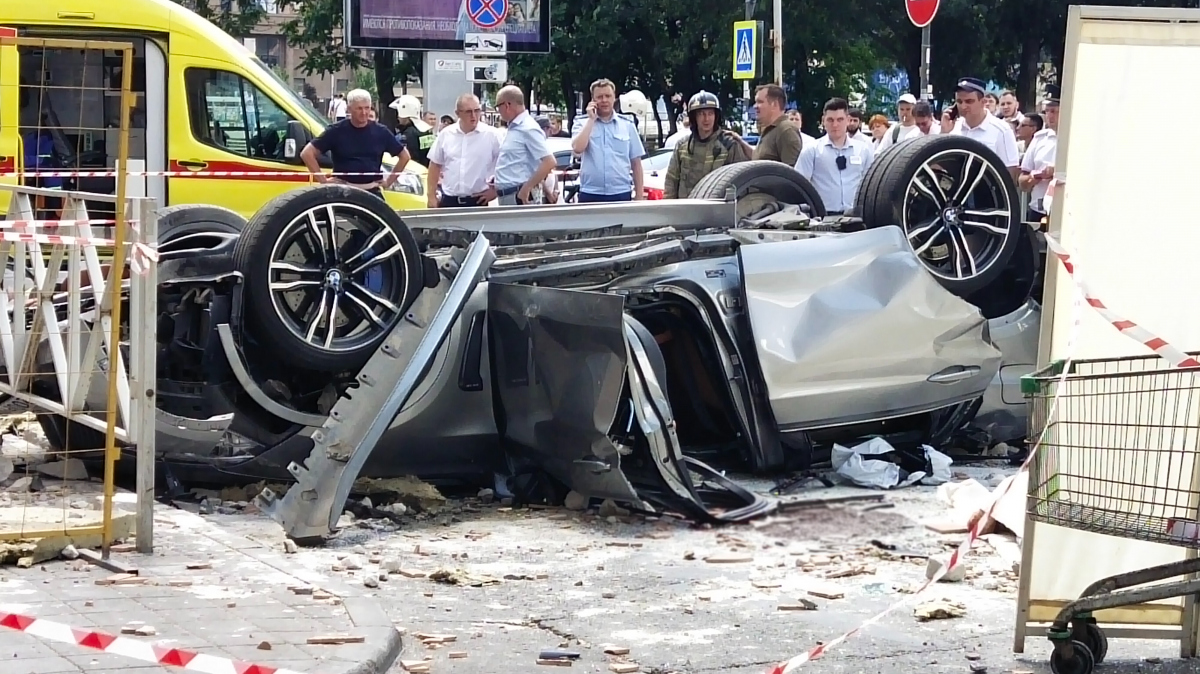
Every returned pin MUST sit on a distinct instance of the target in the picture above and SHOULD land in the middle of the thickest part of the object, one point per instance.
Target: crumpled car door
(575, 391)
(852, 328)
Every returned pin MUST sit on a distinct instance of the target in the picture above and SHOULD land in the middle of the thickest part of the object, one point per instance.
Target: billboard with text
(442, 25)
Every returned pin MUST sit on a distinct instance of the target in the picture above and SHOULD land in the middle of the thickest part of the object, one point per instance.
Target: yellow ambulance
(204, 103)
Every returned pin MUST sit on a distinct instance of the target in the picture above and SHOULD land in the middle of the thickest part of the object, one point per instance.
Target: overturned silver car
(618, 350)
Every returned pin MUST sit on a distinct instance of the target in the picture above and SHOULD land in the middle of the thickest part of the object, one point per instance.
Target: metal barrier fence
(77, 328)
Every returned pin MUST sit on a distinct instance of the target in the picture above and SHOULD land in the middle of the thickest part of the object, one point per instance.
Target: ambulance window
(227, 111)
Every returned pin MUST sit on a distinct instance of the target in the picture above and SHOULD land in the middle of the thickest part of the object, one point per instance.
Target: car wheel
(955, 201)
(183, 220)
(758, 185)
(330, 270)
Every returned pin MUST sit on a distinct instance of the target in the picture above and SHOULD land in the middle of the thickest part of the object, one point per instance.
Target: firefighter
(418, 136)
(709, 147)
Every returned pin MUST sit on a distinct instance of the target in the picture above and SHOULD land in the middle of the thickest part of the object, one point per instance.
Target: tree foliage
(236, 17)
(672, 49)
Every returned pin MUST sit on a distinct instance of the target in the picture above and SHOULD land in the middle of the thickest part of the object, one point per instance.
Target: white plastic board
(1127, 213)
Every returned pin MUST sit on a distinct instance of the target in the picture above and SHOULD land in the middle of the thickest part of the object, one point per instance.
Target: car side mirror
(298, 136)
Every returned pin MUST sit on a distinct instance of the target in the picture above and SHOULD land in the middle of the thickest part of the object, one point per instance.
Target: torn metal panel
(311, 508)
(853, 328)
(559, 368)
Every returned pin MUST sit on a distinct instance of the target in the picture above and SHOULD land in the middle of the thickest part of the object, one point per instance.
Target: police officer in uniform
(708, 148)
(418, 135)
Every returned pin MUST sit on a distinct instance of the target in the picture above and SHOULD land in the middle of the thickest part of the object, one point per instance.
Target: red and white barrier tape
(133, 648)
(141, 256)
(1126, 327)
(178, 174)
(53, 224)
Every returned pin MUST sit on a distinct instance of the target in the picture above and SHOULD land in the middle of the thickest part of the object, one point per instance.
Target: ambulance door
(230, 125)
(10, 110)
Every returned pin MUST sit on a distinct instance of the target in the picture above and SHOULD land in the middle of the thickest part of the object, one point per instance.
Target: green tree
(318, 29)
(236, 17)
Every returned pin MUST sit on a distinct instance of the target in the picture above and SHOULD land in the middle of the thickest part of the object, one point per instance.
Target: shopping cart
(1118, 456)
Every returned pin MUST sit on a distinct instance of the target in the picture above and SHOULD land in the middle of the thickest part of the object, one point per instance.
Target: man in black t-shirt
(357, 145)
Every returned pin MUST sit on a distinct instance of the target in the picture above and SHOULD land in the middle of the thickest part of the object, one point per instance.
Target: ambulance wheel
(956, 202)
(176, 222)
(329, 270)
(759, 185)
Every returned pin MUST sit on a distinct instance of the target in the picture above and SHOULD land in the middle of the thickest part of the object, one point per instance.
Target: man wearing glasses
(836, 162)
(525, 158)
(462, 159)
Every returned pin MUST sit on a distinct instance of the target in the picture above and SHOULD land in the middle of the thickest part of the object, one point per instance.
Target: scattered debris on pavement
(939, 609)
(461, 577)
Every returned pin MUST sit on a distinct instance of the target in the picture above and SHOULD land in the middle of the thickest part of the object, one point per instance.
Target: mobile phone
(953, 110)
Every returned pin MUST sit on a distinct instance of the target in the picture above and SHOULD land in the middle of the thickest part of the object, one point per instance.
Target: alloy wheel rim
(337, 276)
(957, 214)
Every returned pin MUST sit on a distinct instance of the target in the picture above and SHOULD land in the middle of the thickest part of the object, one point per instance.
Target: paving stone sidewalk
(248, 595)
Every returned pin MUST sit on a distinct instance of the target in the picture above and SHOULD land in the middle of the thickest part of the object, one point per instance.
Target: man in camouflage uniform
(708, 148)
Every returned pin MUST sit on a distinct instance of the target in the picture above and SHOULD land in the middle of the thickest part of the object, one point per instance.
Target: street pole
(777, 43)
(926, 86)
(751, 5)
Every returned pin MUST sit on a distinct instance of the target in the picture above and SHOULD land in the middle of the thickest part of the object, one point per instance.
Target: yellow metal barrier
(83, 374)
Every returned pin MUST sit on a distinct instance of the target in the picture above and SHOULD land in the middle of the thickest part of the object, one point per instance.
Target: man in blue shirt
(610, 149)
(525, 158)
(357, 145)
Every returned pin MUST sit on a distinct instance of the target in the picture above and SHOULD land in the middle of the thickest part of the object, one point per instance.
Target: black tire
(975, 231)
(773, 180)
(1017, 283)
(869, 187)
(338, 280)
(1081, 662)
(1097, 641)
(183, 220)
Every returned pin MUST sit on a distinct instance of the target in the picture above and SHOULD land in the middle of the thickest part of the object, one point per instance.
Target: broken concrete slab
(36, 534)
(935, 564)
(6, 468)
(70, 469)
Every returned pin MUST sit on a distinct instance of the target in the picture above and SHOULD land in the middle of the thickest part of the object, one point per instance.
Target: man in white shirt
(835, 163)
(463, 159)
(1010, 108)
(337, 108)
(680, 135)
(1037, 167)
(975, 122)
(796, 118)
(907, 128)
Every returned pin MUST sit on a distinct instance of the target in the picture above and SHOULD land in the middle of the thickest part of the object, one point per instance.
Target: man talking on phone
(969, 117)
(610, 150)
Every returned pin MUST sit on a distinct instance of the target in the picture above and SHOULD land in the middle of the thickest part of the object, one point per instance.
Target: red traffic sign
(921, 12)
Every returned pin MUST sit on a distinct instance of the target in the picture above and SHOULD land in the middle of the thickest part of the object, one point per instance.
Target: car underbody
(632, 352)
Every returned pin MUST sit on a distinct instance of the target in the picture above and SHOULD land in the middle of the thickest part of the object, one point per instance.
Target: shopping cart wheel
(1074, 659)
(1096, 641)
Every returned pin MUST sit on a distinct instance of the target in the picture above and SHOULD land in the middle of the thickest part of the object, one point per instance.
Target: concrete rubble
(46, 500)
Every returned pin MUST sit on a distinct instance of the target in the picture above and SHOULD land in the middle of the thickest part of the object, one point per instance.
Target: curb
(370, 616)
(382, 637)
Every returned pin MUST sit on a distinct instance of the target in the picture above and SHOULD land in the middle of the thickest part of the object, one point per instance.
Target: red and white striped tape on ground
(133, 648)
(1126, 327)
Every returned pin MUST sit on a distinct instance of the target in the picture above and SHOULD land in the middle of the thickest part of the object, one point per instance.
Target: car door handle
(192, 163)
(954, 373)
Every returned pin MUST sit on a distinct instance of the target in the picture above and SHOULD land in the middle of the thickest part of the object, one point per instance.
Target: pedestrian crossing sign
(745, 50)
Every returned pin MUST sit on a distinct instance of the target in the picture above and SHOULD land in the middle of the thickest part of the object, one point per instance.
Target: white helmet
(407, 107)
